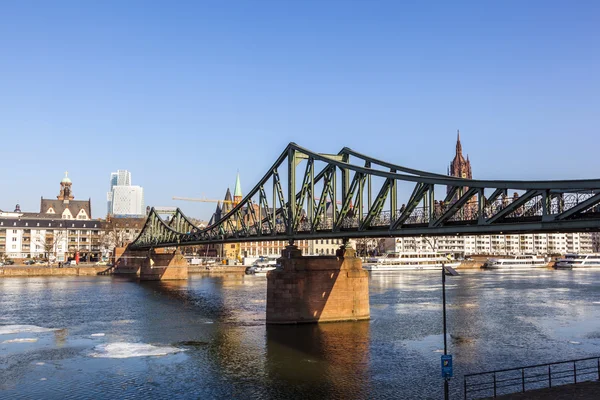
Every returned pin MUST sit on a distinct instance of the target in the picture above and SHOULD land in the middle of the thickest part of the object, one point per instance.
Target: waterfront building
(541, 243)
(61, 229)
(119, 232)
(124, 199)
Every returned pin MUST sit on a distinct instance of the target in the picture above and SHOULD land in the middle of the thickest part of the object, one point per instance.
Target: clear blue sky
(185, 94)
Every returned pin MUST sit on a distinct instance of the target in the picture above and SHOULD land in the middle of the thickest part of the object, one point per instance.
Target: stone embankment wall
(218, 269)
(471, 264)
(50, 271)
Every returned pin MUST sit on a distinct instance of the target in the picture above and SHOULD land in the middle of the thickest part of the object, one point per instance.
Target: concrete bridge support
(317, 289)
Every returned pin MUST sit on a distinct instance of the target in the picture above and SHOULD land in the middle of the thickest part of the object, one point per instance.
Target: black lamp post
(446, 364)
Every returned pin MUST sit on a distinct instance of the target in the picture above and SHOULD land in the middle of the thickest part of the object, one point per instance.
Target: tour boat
(570, 261)
(262, 266)
(518, 261)
(404, 261)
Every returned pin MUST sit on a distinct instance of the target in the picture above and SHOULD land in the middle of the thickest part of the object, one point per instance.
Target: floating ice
(127, 350)
(123, 321)
(12, 329)
(97, 334)
(573, 342)
(21, 340)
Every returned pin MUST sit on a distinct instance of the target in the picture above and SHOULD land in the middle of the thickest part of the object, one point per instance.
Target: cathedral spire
(458, 145)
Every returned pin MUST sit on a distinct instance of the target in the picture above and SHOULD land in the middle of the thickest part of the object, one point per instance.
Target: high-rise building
(120, 178)
(124, 199)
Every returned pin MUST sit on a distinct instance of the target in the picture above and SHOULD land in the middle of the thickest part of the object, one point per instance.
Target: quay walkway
(581, 391)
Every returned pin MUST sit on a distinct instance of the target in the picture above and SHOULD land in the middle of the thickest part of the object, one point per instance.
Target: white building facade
(23, 236)
(124, 199)
(128, 201)
(539, 243)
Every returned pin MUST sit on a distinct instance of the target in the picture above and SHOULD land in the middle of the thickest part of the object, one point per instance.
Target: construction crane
(204, 200)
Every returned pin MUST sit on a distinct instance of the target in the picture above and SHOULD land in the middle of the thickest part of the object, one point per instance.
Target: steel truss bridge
(307, 195)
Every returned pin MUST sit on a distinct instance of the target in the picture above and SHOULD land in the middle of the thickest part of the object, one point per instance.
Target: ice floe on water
(12, 329)
(123, 321)
(20, 340)
(97, 334)
(127, 350)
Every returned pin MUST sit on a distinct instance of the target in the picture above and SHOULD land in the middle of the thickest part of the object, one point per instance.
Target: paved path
(580, 391)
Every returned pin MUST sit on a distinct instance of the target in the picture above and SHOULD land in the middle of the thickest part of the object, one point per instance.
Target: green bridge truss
(307, 195)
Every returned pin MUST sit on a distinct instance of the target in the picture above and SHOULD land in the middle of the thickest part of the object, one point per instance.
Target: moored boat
(519, 261)
(262, 266)
(405, 261)
(571, 261)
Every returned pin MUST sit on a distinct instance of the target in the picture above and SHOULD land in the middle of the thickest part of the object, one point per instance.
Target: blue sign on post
(447, 366)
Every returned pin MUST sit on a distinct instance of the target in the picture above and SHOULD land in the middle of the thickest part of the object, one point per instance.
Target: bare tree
(596, 242)
(117, 232)
(431, 242)
(113, 237)
(366, 246)
(50, 242)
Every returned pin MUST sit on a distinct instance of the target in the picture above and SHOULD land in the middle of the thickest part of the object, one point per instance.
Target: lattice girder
(354, 195)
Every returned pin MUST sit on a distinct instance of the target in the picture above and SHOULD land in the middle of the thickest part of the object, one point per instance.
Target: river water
(109, 338)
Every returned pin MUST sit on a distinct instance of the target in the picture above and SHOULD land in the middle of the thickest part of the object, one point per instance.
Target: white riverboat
(405, 261)
(571, 261)
(262, 266)
(516, 262)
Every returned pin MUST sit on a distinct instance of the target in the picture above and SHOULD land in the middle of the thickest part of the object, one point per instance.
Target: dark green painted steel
(545, 206)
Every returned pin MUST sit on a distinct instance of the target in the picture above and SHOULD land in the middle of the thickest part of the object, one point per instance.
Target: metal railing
(511, 380)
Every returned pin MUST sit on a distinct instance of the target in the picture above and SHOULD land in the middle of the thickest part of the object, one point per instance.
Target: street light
(446, 359)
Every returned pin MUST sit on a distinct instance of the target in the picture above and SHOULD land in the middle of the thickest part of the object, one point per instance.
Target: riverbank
(8, 271)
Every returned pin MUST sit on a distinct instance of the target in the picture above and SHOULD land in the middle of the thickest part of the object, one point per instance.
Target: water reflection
(329, 360)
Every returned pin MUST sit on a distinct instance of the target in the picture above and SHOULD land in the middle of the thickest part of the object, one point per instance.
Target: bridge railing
(531, 377)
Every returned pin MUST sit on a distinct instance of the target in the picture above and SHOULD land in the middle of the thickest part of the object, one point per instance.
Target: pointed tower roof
(238, 187)
(228, 195)
(458, 145)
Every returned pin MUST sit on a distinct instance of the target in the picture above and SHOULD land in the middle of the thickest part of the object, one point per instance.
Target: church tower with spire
(237, 193)
(460, 167)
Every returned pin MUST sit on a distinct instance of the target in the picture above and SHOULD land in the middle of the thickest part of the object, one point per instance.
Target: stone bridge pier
(317, 289)
(152, 265)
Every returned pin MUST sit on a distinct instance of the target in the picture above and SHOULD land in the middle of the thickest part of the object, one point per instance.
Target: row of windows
(50, 231)
(50, 224)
